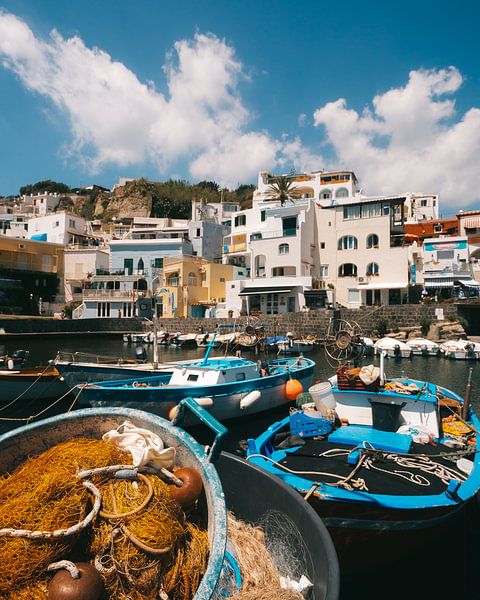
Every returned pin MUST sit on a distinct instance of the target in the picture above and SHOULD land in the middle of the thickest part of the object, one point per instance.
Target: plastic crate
(304, 425)
(348, 380)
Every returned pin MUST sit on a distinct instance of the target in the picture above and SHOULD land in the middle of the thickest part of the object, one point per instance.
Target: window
(372, 240)
(158, 263)
(371, 210)
(289, 226)
(278, 271)
(348, 242)
(198, 232)
(372, 269)
(347, 270)
(71, 223)
(323, 270)
(192, 377)
(351, 212)
(240, 220)
(256, 236)
(222, 279)
(283, 249)
(57, 224)
(263, 215)
(325, 194)
(437, 228)
(341, 193)
(322, 245)
(173, 279)
(239, 376)
(423, 202)
(192, 279)
(386, 210)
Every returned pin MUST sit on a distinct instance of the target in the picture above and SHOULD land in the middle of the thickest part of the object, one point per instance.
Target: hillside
(142, 198)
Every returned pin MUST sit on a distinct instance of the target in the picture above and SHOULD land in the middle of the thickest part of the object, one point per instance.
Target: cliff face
(123, 203)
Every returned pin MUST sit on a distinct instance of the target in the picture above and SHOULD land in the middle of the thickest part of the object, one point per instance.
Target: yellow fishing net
(138, 539)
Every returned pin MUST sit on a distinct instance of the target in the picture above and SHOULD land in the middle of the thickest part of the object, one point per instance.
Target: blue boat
(228, 387)
(388, 471)
(227, 485)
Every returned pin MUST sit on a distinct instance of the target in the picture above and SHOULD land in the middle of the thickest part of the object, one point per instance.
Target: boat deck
(383, 477)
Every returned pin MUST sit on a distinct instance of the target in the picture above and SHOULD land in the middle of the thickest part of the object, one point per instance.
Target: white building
(82, 265)
(59, 228)
(447, 268)
(39, 204)
(331, 240)
(215, 212)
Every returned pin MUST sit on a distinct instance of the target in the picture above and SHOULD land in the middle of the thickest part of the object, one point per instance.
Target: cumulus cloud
(117, 119)
(411, 139)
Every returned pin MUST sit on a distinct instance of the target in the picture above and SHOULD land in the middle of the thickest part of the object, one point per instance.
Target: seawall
(305, 323)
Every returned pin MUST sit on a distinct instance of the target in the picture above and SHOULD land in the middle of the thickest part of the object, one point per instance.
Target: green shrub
(382, 327)
(463, 322)
(425, 325)
(395, 330)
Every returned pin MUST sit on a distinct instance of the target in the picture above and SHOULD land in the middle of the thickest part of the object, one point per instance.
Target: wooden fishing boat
(31, 383)
(226, 483)
(390, 470)
(234, 387)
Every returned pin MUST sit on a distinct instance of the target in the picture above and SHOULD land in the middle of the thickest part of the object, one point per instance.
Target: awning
(315, 292)
(251, 291)
(471, 222)
(469, 283)
(383, 286)
(439, 283)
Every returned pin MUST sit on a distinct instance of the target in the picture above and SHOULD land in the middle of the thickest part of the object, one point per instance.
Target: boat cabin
(215, 371)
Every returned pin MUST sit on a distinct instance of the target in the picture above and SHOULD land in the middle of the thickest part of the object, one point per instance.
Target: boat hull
(368, 537)
(79, 373)
(31, 384)
(226, 397)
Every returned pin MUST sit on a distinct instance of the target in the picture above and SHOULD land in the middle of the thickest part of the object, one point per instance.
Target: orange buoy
(191, 489)
(292, 389)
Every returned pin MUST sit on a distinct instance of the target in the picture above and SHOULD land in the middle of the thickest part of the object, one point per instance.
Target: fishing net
(140, 541)
(253, 553)
(45, 494)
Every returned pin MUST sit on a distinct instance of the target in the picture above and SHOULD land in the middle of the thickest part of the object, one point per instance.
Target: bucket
(323, 397)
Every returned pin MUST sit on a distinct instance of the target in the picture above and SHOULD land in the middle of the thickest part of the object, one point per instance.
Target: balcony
(232, 248)
(103, 294)
(268, 235)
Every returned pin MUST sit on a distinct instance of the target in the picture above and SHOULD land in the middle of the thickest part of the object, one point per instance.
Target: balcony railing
(235, 248)
(130, 294)
(267, 235)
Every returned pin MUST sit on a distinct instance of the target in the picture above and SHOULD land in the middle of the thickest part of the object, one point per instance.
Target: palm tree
(281, 189)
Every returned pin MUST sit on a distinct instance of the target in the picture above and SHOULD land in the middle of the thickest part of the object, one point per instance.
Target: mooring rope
(27, 389)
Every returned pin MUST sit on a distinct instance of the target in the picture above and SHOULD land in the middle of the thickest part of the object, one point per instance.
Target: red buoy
(191, 489)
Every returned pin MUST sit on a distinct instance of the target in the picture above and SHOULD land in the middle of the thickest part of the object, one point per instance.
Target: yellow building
(31, 275)
(190, 285)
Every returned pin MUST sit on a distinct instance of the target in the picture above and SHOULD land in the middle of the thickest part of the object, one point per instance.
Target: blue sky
(220, 90)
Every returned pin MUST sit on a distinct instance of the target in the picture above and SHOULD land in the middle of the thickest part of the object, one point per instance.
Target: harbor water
(407, 580)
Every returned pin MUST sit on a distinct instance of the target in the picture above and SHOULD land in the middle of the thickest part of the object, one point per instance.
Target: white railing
(77, 313)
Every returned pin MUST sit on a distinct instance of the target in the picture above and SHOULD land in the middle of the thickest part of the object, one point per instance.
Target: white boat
(368, 346)
(461, 350)
(136, 338)
(393, 348)
(204, 339)
(423, 347)
(187, 340)
(294, 346)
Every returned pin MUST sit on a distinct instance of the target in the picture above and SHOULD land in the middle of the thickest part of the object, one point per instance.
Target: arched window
(372, 240)
(347, 270)
(348, 242)
(341, 193)
(373, 269)
(173, 279)
(325, 194)
(283, 249)
(192, 279)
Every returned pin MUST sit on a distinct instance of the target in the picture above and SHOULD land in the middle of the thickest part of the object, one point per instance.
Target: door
(272, 304)
(128, 266)
(291, 304)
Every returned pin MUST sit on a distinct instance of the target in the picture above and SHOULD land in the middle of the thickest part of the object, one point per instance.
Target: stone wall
(304, 323)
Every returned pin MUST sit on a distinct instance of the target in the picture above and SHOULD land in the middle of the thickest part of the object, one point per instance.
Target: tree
(47, 185)
(281, 189)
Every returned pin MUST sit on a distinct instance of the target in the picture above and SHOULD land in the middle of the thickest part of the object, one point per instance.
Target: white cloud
(411, 140)
(117, 119)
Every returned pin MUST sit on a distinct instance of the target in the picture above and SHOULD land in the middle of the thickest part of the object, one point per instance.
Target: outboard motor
(470, 348)
(140, 353)
(20, 356)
